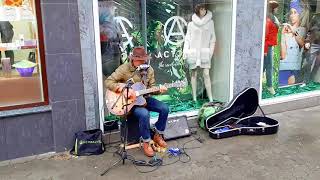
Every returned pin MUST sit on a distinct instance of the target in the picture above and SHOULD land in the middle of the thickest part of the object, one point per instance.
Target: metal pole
(144, 22)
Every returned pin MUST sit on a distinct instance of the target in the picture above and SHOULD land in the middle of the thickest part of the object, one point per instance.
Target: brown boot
(157, 138)
(147, 149)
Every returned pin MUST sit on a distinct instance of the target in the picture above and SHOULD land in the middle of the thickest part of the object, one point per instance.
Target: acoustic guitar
(119, 108)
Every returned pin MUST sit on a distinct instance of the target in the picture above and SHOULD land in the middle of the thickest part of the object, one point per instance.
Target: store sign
(121, 21)
(177, 23)
(166, 60)
(165, 54)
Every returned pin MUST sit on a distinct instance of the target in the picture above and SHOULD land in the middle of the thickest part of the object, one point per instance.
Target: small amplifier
(176, 127)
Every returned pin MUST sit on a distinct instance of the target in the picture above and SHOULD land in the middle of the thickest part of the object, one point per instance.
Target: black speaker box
(176, 127)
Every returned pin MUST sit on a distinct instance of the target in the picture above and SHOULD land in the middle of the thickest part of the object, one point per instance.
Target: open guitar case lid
(237, 118)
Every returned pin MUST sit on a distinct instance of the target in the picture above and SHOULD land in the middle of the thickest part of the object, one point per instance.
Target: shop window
(193, 47)
(120, 31)
(171, 45)
(22, 71)
(291, 53)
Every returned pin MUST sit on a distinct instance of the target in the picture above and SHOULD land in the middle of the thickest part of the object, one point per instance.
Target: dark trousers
(268, 66)
(142, 114)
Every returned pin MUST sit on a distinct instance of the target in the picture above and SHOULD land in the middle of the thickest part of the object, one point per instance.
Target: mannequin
(199, 47)
(271, 38)
(292, 42)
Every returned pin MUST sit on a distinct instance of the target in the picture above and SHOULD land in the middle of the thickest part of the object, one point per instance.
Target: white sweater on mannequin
(199, 41)
(198, 50)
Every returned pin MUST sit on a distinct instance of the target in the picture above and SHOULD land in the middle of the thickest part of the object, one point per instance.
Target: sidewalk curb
(108, 138)
(27, 159)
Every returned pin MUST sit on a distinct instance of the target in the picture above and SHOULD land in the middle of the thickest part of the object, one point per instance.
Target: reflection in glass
(109, 38)
(120, 31)
(182, 46)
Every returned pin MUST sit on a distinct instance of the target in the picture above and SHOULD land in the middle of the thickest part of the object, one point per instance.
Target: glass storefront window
(120, 31)
(22, 61)
(191, 41)
(291, 52)
(184, 45)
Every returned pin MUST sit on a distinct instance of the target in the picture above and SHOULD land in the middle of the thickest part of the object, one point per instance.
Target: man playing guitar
(133, 71)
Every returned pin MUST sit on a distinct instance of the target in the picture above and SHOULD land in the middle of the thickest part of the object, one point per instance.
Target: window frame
(279, 99)
(41, 51)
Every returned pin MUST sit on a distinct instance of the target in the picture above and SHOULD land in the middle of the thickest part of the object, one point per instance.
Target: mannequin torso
(198, 49)
(200, 41)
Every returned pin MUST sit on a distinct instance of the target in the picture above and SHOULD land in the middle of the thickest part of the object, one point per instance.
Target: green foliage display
(158, 12)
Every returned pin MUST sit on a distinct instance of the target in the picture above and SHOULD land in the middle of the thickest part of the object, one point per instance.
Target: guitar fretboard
(155, 89)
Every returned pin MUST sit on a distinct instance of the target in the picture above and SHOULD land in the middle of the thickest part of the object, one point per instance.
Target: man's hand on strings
(131, 94)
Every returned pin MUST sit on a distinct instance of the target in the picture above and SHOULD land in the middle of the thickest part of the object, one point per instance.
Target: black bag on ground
(88, 143)
(237, 118)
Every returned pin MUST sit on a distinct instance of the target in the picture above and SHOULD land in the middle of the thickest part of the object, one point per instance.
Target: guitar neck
(155, 89)
(150, 90)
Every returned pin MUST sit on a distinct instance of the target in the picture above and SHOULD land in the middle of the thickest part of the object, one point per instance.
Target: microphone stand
(123, 152)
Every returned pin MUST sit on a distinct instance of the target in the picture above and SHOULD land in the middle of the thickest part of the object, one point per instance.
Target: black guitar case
(237, 118)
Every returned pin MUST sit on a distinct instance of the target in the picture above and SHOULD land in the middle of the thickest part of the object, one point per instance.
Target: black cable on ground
(154, 164)
(179, 157)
